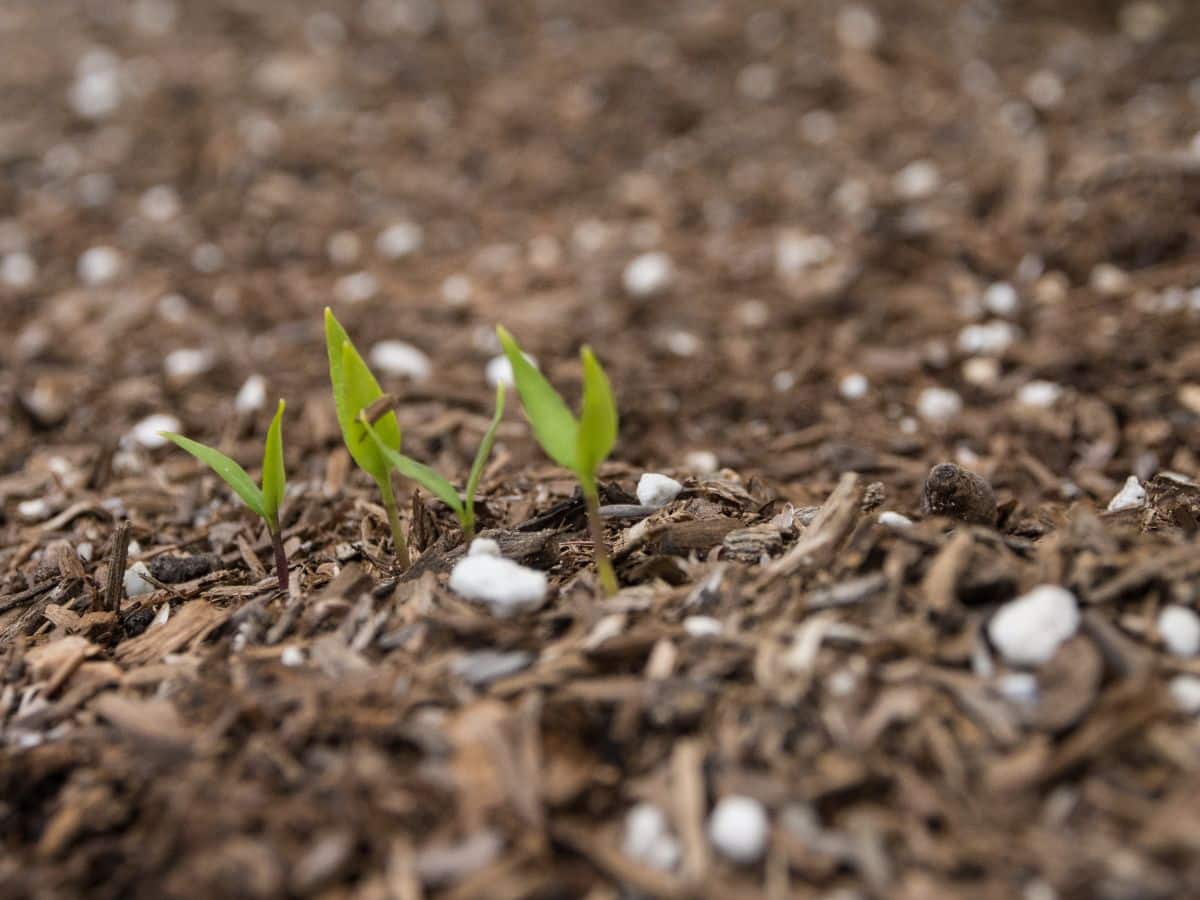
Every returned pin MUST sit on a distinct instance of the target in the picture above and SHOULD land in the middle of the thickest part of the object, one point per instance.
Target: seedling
(354, 390)
(463, 507)
(265, 501)
(576, 444)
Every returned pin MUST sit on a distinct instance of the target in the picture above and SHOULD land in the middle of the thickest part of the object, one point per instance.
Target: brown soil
(413, 745)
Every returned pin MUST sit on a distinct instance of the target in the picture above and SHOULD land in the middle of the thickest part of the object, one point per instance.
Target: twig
(116, 568)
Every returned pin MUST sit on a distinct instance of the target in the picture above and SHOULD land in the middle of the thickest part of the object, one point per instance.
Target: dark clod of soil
(952, 491)
(177, 569)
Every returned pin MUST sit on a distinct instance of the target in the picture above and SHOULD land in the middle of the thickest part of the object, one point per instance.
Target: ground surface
(376, 736)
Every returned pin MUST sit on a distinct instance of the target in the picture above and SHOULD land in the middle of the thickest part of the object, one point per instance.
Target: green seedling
(463, 507)
(354, 390)
(579, 444)
(264, 501)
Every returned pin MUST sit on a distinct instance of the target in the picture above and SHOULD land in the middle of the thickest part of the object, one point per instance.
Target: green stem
(389, 503)
(604, 569)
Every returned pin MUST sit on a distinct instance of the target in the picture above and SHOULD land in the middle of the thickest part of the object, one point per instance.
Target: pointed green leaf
(553, 424)
(228, 470)
(485, 450)
(418, 472)
(354, 389)
(598, 415)
(274, 479)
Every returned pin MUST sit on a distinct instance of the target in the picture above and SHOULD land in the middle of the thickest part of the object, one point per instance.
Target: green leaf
(553, 424)
(484, 451)
(418, 472)
(354, 389)
(597, 416)
(274, 479)
(228, 470)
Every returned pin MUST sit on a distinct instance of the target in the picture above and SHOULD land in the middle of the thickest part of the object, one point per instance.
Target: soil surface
(820, 248)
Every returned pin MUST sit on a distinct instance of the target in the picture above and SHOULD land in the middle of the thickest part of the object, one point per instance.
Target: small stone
(96, 91)
(507, 588)
(402, 359)
(918, 180)
(738, 829)
(1185, 691)
(457, 291)
(135, 584)
(1018, 688)
(343, 248)
(702, 462)
(208, 258)
(146, 432)
(891, 519)
(33, 510)
(1045, 89)
(483, 547)
(1029, 630)
(1109, 280)
(939, 405)
(648, 838)
(853, 386)
(858, 27)
(18, 270)
(1179, 628)
(981, 370)
(648, 275)
(657, 490)
(989, 339)
(99, 265)
(796, 252)
(177, 569)
(1002, 299)
(188, 363)
(252, 395)
(358, 287)
(499, 370)
(292, 656)
(159, 203)
(1039, 394)
(398, 240)
(952, 491)
(702, 626)
(1131, 496)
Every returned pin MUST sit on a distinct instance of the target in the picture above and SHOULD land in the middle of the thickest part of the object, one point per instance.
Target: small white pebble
(1045, 89)
(483, 547)
(738, 829)
(1185, 691)
(188, 362)
(499, 370)
(702, 626)
(702, 462)
(208, 258)
(507, 588)
(648, 274)
(818, 126)
(858, 28)
(683, 343)
(783, 381)
(135, 584)
(1109, 280)
(173, 308)
(1144, 20)
(1002, 299)
(146, 432)
(85, 551)
(357, 287)
(796, 252)
(18, 270)
(918, 180)
(398, 240)
(1029, 630)
(753, 313)
(343, 248)
(648, 838)
(96, 91)
(981, 370)
(657, 490)
(99, 265)
(757, 81)
(401, 358)
(1039, 394)
(894, 519)
(292, 656)
(159, 203)
(1179, 628)
(457, 291)
(33, 510)
(1131, 496)
(936, 404)
(252, 395)
(853, 386)
(989, 339)
(1019, 688)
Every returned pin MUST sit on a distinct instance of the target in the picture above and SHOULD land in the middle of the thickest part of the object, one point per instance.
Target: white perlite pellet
(702, 626)
(506, 587)
(648, 838)
(159, 203)
(483, 547)
(18, 270)
(99, 265)
(1001, 299)
(648, 274)
(989, 339)
(894, 519)
(292, 656)
(96, 90)
(1179, 627)
(356, 288)
(401, 358)
(33, 510)
(1027, 631)
(398, 240)
(702, 462)
(135, 584)
(918, 180)
(252, 395)
(1039, 394)
(657, 490)
(1185, 691)
(936, 404)
(188, 362)
(738, 829)
(146, 432)
(858, 28)
(853, 386)
(1131, 496)
(499, 370)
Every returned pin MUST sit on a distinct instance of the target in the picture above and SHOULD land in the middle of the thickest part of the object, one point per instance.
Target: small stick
(116, 568)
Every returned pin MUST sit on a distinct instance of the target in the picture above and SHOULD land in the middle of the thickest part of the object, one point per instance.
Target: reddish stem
(281, 560)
